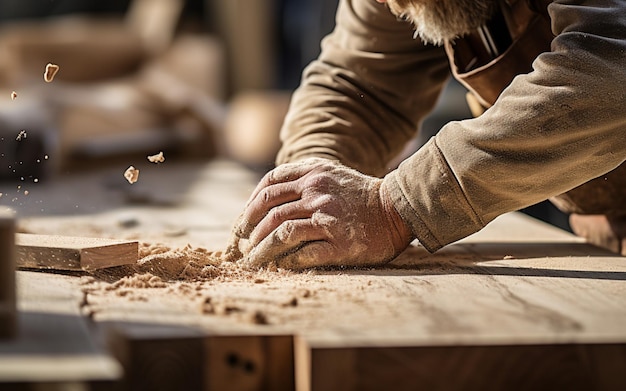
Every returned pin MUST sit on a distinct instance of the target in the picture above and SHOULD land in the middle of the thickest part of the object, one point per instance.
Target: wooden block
(250, 362)
(7, 274)
(158, 357)
(449, 367)
(73, 253)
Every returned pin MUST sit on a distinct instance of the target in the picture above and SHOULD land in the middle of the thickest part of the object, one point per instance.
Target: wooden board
(527, 300)
(568, 366)
(537, 309)
(73, 253)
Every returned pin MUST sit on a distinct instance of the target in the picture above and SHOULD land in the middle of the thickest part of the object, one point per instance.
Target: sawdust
(185, 273)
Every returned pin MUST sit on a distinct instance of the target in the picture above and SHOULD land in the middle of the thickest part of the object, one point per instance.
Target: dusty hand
(319, 213)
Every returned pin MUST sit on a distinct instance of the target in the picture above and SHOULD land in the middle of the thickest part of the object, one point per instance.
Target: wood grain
(73, 253)
(569, 366)
(7, 274)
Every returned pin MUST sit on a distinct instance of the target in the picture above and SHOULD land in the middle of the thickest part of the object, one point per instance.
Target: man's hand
(319, 213)
(602, 231)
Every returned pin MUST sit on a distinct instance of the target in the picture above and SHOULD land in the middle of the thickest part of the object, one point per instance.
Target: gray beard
(439, 21)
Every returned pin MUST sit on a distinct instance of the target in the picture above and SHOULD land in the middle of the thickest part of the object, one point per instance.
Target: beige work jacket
(550, 130)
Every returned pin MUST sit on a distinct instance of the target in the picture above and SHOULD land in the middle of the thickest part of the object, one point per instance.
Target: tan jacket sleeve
(363, 98)
(549, 131)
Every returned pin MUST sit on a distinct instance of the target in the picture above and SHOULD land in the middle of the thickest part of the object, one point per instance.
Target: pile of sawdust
(159, 264)
(189, 274)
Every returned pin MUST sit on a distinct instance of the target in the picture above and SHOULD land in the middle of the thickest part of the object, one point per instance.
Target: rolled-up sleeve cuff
(428, 197)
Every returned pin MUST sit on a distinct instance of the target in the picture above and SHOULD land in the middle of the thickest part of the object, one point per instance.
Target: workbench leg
(158, 357)
(8, 311)
(249, 362)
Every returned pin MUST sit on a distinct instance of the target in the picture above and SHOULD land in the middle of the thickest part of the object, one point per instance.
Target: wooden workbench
(520, 305)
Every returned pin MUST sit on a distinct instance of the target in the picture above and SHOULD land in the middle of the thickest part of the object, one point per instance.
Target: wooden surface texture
(518, 305)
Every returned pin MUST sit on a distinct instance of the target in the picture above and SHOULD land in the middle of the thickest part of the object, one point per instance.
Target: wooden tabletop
(519, 305)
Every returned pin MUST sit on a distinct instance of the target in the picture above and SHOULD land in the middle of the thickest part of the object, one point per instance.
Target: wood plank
(73, 253)
(568, 366)
(518, 284)
(519, 306)
(8, 311)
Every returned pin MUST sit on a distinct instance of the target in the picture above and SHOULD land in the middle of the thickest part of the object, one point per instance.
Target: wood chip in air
(13, 95)
(158, 158)
(21, 135)
(131, 174)
(51, 71)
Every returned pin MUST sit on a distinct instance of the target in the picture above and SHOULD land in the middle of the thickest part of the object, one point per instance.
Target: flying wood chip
(131, 174)
(51, 71)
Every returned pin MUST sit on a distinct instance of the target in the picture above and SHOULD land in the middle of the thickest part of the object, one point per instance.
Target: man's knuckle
(266, 195)
(276, 215)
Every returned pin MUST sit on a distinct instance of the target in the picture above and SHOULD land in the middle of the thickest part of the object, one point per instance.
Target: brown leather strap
(486, 78)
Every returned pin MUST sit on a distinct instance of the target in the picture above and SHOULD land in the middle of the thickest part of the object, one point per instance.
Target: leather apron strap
(486, 71)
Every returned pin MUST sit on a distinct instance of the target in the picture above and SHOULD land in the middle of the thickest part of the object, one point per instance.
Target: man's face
(438, 21)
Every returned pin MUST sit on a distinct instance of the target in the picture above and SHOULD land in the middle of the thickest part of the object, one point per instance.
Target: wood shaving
(51, 71)
(131, 174)
(21, 135)
(158, 158)
(13, 95)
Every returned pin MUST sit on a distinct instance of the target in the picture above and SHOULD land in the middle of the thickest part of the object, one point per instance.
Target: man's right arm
(362, 100)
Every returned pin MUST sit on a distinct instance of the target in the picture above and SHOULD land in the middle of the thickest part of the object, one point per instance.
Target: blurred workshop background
(197, 79)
